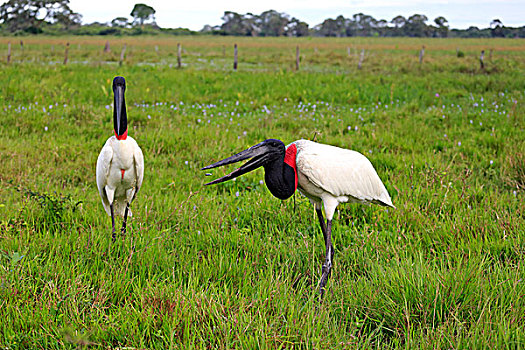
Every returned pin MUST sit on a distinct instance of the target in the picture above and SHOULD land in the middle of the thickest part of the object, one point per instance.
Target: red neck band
(289, 158)
(123, 136)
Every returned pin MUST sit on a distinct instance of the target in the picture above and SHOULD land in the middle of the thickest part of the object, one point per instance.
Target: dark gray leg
(327, 266)
(112, 222)
(321, 222)
(123, 229)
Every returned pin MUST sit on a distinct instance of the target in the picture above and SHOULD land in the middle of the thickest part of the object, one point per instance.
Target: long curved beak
(259, 154)
(119, 100)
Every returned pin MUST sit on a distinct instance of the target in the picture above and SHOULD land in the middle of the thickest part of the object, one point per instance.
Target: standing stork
(120, 164)
(327, 175)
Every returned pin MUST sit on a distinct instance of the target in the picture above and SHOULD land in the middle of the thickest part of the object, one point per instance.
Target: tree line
(21, 17)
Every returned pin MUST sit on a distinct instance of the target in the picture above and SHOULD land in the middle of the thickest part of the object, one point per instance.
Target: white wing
(138, 158)
(341, 172)
(103, 164)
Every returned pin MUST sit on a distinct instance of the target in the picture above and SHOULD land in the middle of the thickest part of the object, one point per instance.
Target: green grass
(230, 266)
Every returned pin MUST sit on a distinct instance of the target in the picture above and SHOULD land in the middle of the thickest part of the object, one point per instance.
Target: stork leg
(327, 266)
(123, 229)
(112, 222)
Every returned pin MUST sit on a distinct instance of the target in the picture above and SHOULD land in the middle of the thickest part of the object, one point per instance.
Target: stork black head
(262, 154)
(120, 119)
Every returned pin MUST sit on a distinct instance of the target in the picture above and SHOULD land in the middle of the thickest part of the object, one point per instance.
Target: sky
(193, 15)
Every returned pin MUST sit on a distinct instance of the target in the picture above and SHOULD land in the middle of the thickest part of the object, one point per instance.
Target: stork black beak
(119, 98)
(120, 120)
(261, 154)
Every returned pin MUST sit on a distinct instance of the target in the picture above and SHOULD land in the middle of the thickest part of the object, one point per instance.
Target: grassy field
(230, 266)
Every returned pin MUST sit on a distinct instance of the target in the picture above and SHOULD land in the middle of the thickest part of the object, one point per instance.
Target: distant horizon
(195, 15)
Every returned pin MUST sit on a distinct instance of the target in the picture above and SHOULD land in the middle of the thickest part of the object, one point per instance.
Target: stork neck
(281, 175)
(121, 137)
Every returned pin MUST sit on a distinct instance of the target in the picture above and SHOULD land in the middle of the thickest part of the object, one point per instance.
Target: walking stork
(326, 175)
(120, 164)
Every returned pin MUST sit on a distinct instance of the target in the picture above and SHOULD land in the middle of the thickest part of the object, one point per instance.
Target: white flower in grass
(45, 128)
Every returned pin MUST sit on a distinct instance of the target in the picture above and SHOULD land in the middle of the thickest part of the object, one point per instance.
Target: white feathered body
(331, 175)
(120, 170)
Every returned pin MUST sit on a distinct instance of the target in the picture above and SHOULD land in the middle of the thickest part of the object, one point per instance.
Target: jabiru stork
(326, 175)
(120, 164)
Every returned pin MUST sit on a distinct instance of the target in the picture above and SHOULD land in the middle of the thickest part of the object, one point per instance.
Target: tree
(120, 22)
(365, 24)
(142, 13)
(329, 27)
(237, 24)
(272, 23)
(399, 23)
(28, 15)
(382, 27)
(496, 28)
(442, 24)
(416, 26)
(297, 28)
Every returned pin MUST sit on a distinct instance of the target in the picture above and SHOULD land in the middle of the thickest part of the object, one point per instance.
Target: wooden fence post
(490, 55)
(481, 64)
(348, 51)
(421, 54)
(66, 53)
(297, 57)
(361, 58)
(235, 57)
(122, 55)
(8, 52)
(179, 58)
(106, 47)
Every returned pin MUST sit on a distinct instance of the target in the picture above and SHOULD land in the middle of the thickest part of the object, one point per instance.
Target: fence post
(361, 58)
(106, 47)
(421, 54)
(179, 58)
(66, 53)
(235, 57)
(481, 64)
(348, 51)
(122, 55)
(297, 57)
(8, 52)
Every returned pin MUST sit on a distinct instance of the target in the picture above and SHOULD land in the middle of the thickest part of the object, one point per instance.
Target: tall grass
(230, 266)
